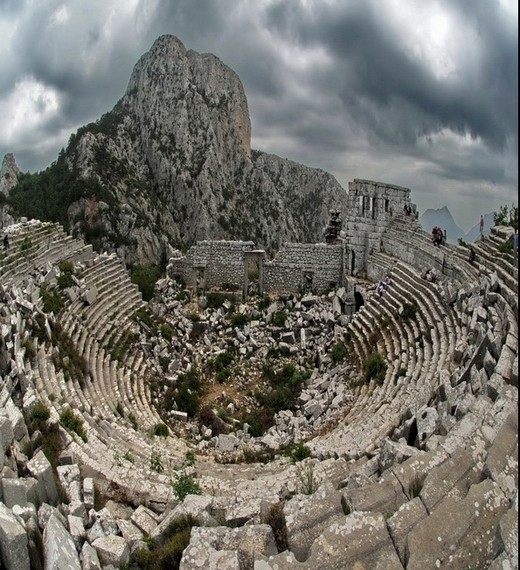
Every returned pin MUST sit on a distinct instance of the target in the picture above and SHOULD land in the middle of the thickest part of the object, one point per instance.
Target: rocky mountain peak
(174, 85)
(9, 173)
(172, 164)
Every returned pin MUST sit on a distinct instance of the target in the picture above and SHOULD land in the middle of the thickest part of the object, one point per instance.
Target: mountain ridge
(443, 218)
(172, 164)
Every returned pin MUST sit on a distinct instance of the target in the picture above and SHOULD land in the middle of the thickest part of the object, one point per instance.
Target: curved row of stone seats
(438, 316)
(406, 240)
(109, 435)
(460, 487)
(33, 244)
(113, 449)
(491, 259)
(372, 400)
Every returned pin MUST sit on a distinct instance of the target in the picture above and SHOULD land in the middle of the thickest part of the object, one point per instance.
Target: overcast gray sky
(411, 92)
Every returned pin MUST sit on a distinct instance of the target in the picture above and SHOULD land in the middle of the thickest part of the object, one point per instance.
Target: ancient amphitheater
(417, 471)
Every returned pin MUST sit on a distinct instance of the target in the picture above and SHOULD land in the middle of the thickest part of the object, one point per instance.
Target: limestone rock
(9, 174)
(112, 550)
(13, 542)
(233, 548)
(459, 532)
(59, 548)
(359, 540)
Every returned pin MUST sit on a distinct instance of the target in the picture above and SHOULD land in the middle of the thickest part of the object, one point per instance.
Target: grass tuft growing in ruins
(72, 422)
(375, 368)
(184, 485)
(168, 555)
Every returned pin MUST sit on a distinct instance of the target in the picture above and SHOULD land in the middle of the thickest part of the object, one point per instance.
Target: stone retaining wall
(371, 207)
(219, 263)
(323, 264)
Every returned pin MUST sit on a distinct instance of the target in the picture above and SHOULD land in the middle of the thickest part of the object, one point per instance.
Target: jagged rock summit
(9, 173)
(175, 164)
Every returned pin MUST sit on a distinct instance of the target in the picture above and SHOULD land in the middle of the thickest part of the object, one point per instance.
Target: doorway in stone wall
(307, 281)
(253, 278)
(200, 278)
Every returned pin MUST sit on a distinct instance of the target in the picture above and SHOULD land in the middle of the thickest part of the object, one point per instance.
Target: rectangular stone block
(14, 552)
(6, 432)
(14, 492)
(16, 418)
(40, 468)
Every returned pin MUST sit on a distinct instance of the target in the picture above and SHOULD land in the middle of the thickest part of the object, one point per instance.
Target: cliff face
(9, 174)
(175, 162)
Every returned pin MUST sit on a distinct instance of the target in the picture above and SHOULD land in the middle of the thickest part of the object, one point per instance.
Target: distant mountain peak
(441, 217)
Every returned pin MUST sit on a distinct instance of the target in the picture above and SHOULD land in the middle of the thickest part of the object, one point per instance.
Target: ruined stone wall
(371, 207)
(212, 263)
(286, 272)
(215, 263)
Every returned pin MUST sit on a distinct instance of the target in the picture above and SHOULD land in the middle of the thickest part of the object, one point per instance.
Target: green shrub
(145, 277)
(144, 316)
(375, 367)
(215, 299)
(26, 244)
(338, 352)
(168, 556)
(120, 410)
(185, 485)
(276, 520)
(506, 216)
(156, 463)
(278, 319)
(188, 401)
(53, 302)
(298, 452)
(308, 483)
(160, 430)
(52, 444)
(40, 412)
(73, 423)
(239, 320)
(166, 331)
(409, 311)
(66, 271)
(133, 421)
(30, 351)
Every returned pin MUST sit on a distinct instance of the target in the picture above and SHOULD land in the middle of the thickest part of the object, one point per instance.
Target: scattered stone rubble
(437, 487)
(314, 324)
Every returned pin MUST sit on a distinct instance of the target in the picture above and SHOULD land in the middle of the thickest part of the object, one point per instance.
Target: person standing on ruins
(6, 242)
(481, 224)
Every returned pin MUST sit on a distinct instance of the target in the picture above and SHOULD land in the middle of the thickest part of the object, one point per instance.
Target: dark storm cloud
(361, 88)
(382, 81)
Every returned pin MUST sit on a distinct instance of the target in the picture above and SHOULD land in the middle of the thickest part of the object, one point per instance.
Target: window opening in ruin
(200, 278)
(358, 299)
(373, 208)
(353, 262)
(386, 206)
